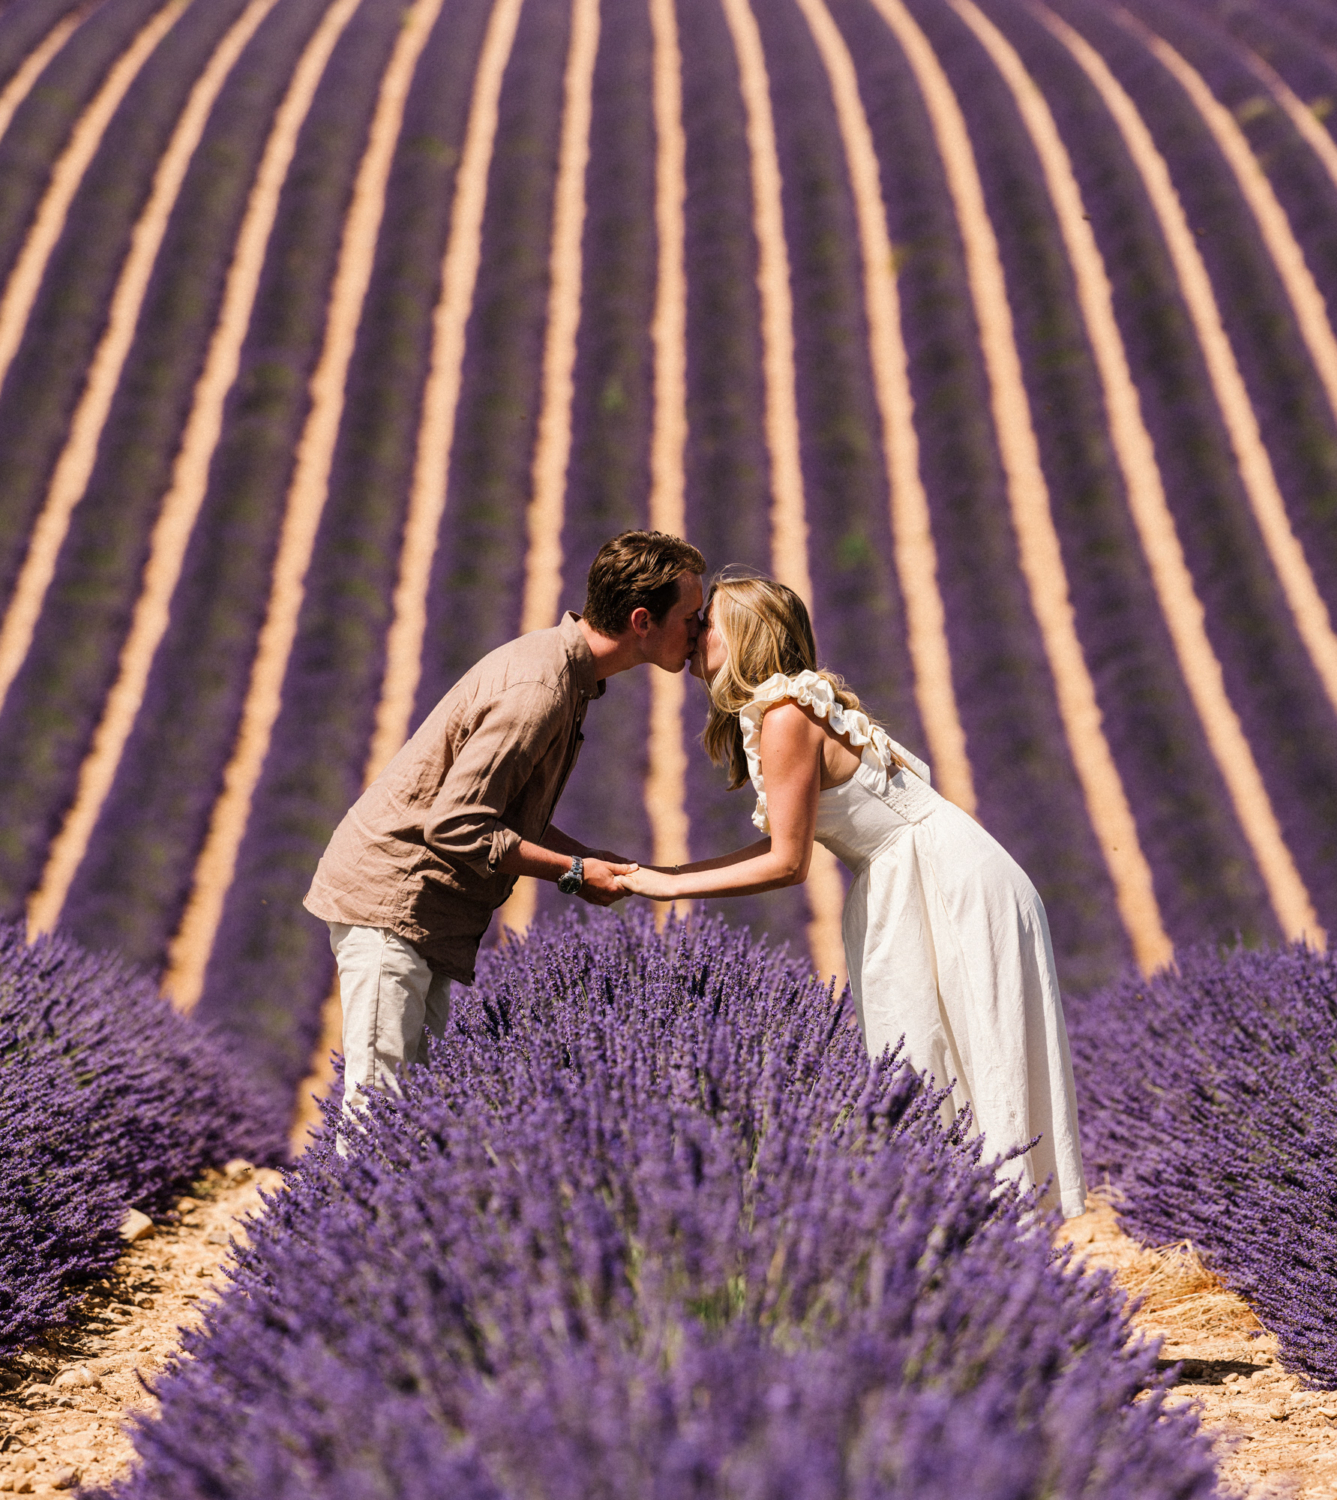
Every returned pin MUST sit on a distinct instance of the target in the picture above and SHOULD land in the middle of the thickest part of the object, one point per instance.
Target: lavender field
(108, 1100)
(335, 335)
(673, 1235)
(278, 302)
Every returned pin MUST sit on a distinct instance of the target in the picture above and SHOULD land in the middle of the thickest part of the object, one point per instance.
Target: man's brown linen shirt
(419, 851)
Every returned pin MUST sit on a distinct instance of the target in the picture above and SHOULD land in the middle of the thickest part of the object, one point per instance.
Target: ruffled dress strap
(876, 746)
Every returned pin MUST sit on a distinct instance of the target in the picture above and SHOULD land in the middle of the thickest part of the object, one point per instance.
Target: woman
(946, 939)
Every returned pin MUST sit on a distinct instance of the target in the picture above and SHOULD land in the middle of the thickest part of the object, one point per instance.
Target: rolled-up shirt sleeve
(495, 755)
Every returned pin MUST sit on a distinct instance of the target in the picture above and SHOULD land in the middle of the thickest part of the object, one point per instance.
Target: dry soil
(65, 1403)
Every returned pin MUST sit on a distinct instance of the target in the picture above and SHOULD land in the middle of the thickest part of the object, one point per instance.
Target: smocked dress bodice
(864, 815)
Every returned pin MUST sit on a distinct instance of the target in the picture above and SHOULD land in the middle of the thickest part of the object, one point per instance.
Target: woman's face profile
(709, 655)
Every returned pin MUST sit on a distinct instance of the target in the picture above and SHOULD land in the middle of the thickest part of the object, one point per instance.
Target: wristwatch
(574, 878)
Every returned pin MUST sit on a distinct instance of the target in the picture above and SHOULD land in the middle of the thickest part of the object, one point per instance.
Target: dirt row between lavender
(65, 1403)
(1273, 1438)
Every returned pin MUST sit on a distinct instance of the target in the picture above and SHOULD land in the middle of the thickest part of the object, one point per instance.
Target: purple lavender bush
(1209, 1103)
(108, 1100)
(650, 1223)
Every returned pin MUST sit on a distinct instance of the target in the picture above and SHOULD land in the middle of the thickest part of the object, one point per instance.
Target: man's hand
(600, 886)
(609, 857)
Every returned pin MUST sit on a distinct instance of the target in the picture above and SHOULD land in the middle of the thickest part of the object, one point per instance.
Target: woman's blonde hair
(765, 629)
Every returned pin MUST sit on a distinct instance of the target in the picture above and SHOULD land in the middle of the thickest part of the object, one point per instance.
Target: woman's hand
(657, 885)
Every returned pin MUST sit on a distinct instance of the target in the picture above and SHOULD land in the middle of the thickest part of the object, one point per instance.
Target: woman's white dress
(947, 944)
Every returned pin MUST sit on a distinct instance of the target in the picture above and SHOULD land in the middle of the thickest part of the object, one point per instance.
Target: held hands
(604, 874)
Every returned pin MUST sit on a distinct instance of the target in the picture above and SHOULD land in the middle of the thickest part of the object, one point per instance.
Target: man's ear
(640, 622)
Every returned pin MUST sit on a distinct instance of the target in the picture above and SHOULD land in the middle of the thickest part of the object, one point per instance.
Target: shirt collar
(580, 656)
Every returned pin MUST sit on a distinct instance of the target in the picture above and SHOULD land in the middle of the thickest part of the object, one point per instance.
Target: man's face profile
(670, 643)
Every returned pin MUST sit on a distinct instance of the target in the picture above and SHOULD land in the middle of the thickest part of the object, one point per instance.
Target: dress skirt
(948, 946)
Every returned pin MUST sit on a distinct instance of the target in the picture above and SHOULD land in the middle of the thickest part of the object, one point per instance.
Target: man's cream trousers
(391, 999)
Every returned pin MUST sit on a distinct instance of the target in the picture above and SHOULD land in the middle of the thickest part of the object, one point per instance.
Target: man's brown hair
(637, 570)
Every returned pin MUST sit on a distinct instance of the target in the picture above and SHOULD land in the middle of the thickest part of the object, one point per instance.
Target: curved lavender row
(608, 480)
(474, 602)
(857, 608)
(650, 1223)
(1282, 40)
(53, 704)
(22, 28)
(1289, 723)
(1206, 882)
(1028, 793)
(271, 966)
(1308, 17)
(1296, 418)
(108, 1099)
(30, 147)
(727, 469)
(1209, 1102)
(135, 878)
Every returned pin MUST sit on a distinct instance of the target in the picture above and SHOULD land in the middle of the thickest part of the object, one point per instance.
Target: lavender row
(608, 480)
(857, 607)
(26, 24)
(728, 500)
(478, 576)
(1297, 420)
(1205, 880)
(271, 966)
(1271, 682)
(1028, 792)
(133, 883)
(1307, 18)
(108, 1099)
(650, 1223)
(1208, 1101)
(37, 135)
(52, 706)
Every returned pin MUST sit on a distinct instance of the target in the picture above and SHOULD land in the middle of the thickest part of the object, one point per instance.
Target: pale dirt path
(1180, 606)
(159, 1287)
(1300, 115)
(30, 70)
(552, 449)
(74, 467)
(436, 427)
(916, 555)
(1028, 497)
(190, 475)
(789, 523)
(1311, 317)
(188, 955)
(1273, 1438)
(20, 293)
(1290, 899)
(436, 430)
(666, 780)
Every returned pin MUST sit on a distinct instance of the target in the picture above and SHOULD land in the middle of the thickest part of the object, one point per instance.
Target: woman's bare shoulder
(791, 723)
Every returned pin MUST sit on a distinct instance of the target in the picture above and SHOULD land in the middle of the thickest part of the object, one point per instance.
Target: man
(410, 880)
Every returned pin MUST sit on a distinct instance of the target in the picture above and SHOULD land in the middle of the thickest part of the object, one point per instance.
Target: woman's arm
(720, 862)
(791, 753)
